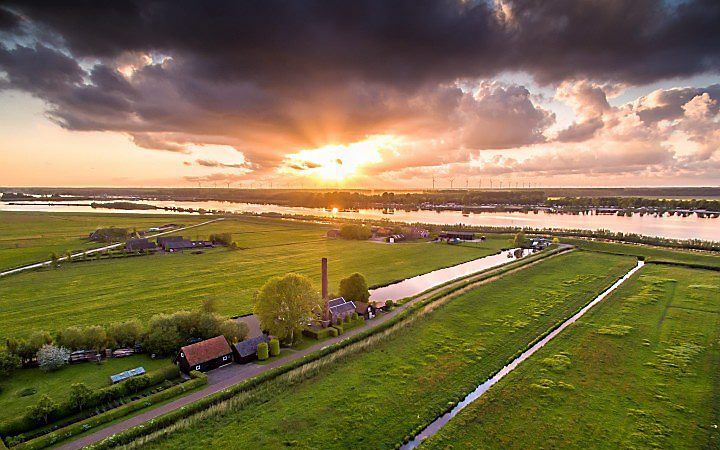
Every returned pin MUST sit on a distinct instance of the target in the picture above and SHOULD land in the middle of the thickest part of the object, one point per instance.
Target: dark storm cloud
(272, 77)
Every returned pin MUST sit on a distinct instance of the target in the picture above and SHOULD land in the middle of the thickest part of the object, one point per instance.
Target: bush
(137, 384)
(262, 351)
(52, 358)
(355, 232)
(389, 304)
(274, 347)
(81, 396)
(334, 332)
(222, 239)
(8, 363)
(320, 334)
(42, 410)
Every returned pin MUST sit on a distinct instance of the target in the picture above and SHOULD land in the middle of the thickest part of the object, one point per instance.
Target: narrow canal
(421, 283)
(441, 421)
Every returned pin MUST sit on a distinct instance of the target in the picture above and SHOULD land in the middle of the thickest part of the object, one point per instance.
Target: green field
(648, 252)
(98, 292)
(29, 237)
(640, 370)
(57, 384)
(375, 398)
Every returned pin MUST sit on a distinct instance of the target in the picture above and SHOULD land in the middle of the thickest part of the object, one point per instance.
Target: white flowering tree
(51, 357)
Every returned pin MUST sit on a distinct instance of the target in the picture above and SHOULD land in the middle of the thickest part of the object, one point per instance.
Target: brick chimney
(324, 263)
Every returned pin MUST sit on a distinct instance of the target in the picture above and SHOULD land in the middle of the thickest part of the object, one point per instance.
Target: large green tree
(284, 305)
(354, 288)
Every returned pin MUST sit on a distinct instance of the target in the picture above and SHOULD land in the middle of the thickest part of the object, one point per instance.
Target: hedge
(22, 424)
(197, 379)
(129, 435)
(274, 347)
(262, 351)
(319, 335)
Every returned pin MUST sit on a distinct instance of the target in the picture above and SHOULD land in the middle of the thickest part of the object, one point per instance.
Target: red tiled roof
(207, 350)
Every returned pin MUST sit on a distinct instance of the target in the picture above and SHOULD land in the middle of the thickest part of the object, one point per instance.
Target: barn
(246, 351)
(205, 355)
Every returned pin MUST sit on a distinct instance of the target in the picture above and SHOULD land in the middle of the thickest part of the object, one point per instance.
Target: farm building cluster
(217, 352)
(169, 244)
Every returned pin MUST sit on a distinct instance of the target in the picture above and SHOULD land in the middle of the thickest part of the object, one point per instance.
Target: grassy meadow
(648, 252)
(640, 370)
(29, 237)
(373, 399)
(104, 291)
(25, 387)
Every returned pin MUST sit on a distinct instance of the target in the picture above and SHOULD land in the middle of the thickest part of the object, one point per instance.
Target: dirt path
(230, 375)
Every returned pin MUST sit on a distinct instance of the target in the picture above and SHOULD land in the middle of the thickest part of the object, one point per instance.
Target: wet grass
(640, 370)
(649, 253)
(29, 237)
(374, 398)
(97, 292)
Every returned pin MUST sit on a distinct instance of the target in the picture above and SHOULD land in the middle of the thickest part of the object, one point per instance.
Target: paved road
(100, 249)
(232, 374)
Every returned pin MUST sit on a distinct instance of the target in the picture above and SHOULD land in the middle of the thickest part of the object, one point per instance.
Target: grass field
(375, 398)
(29, 237)
(57, 384)
(97, 292)
(640, 370)
(650, 253)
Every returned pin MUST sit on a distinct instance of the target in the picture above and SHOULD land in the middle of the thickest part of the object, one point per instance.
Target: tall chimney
(324, 279)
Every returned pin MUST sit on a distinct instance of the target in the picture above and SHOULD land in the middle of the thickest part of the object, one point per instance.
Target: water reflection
(421, 283)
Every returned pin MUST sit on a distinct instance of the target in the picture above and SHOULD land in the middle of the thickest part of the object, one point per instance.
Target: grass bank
(377, 397)
(640, 370)
(651, 254)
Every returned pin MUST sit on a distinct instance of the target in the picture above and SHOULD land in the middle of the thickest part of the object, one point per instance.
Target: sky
(370, 94)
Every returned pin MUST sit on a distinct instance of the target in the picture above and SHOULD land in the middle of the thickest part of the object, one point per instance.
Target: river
(674, 227)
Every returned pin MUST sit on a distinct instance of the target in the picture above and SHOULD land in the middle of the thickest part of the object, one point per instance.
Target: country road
(100, 249)
(230, 375)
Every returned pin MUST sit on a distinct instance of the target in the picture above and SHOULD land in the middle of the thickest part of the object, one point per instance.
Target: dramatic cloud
(272, 79)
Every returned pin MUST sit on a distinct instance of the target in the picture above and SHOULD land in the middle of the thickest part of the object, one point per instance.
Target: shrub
(42, 410)
(81, 396)
(389, 304)
(274, 347)
(125, 334)
(72, 338)
(334, 332)
(322, 333)
(355, 232)
(222, 239)
(8, 363)
(137, 384)
(52, 358)
(262, 351)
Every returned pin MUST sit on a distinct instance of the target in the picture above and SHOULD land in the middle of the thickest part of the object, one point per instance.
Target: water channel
(421, 283)
(441, 421)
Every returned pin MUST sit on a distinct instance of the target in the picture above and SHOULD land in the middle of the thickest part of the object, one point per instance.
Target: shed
(462, 235)
(246, 351)
(174, 246)
(122, 376)
(205, 355)
(162, 240)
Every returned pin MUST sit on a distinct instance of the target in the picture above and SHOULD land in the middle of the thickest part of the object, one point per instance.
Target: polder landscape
(360, 225)
(638, 370)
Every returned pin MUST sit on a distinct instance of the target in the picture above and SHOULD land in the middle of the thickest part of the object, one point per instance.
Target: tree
(285, 305)
(54, 260)
(274, 347)
(80, 396)
(72, 338)
(354, 288)
(234, 331)
(42, 411)
(262, 351)
(519, 239)
(125, 334)
(8, 362)
(40, 338)
(52, 358)
(163, 340)
(96, 338)
(354, 231)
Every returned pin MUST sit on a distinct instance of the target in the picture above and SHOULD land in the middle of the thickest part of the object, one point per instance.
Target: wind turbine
(451, 183)
(433, 179)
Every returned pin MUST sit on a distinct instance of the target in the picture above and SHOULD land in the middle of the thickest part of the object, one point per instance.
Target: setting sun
(338, 162)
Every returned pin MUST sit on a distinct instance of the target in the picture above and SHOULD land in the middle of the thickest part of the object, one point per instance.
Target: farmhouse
(461, 235)
(246, 351)
(162, 240)
(340, 308)
(205, 355)
(134, 245)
